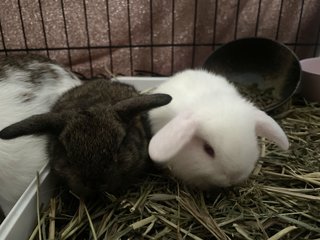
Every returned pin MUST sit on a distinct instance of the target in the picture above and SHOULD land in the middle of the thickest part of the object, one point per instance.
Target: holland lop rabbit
(29, 84)
(207, 135)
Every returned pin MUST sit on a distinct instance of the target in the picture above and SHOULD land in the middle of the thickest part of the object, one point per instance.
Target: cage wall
(134, 37)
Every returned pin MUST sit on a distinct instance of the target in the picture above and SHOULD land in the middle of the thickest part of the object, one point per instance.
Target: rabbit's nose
(237, 177)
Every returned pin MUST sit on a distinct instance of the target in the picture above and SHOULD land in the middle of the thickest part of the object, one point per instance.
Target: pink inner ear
(267, 127)
(170, 139)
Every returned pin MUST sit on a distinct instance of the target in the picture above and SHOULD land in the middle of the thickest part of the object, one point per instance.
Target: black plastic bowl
(259, 62)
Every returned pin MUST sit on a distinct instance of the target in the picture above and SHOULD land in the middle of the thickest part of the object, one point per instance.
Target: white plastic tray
(22, 219)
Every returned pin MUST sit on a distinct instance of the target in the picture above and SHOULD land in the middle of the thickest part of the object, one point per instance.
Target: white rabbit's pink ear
(172, 137)
(269, 128)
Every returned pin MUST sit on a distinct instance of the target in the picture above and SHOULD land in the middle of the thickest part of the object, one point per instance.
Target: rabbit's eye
(208, 149)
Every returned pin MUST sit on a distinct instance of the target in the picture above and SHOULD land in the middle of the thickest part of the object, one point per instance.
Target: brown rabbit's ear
(36, 124)
(128, 108)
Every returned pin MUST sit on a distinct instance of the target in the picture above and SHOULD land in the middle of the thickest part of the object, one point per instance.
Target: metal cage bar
(109, 35)
(194, 33)
(23, 27)
(172, 37)
(236, 20)
(299, 24)
(317, 43)
(151, 37)
(88, 37)
(3, 41)
(43, 28)
(258, 19)
(130, 37)
(279, 20)
(66, 34)
(214, 24)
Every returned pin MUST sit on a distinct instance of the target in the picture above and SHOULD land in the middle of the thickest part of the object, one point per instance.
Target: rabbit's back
(100, 91)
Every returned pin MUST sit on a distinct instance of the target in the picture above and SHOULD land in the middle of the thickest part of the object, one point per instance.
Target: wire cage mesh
(133, 37)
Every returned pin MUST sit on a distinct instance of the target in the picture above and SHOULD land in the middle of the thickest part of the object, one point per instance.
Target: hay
(281, 200)
(263, 98)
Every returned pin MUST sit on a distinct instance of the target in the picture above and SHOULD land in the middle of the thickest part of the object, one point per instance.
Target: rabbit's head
(207, 135)
(97, 149)
(208, 150)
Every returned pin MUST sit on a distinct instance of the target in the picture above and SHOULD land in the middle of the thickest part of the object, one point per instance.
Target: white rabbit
(29, 85)
(207, 135)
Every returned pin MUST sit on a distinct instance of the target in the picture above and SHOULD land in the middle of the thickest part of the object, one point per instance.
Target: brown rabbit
(98, 135)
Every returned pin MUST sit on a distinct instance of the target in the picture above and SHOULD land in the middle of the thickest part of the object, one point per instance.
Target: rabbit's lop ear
(269, 128)
(170, 139)
(36, 124)
(130, 107)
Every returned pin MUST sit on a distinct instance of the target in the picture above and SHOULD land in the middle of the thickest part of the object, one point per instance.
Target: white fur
(21, 158)
(210, 108)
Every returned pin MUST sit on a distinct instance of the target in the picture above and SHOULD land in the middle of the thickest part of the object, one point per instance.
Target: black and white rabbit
(207, 135)
(29, 84)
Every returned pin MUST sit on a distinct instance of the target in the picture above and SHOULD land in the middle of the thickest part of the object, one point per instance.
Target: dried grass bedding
(281, 200)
